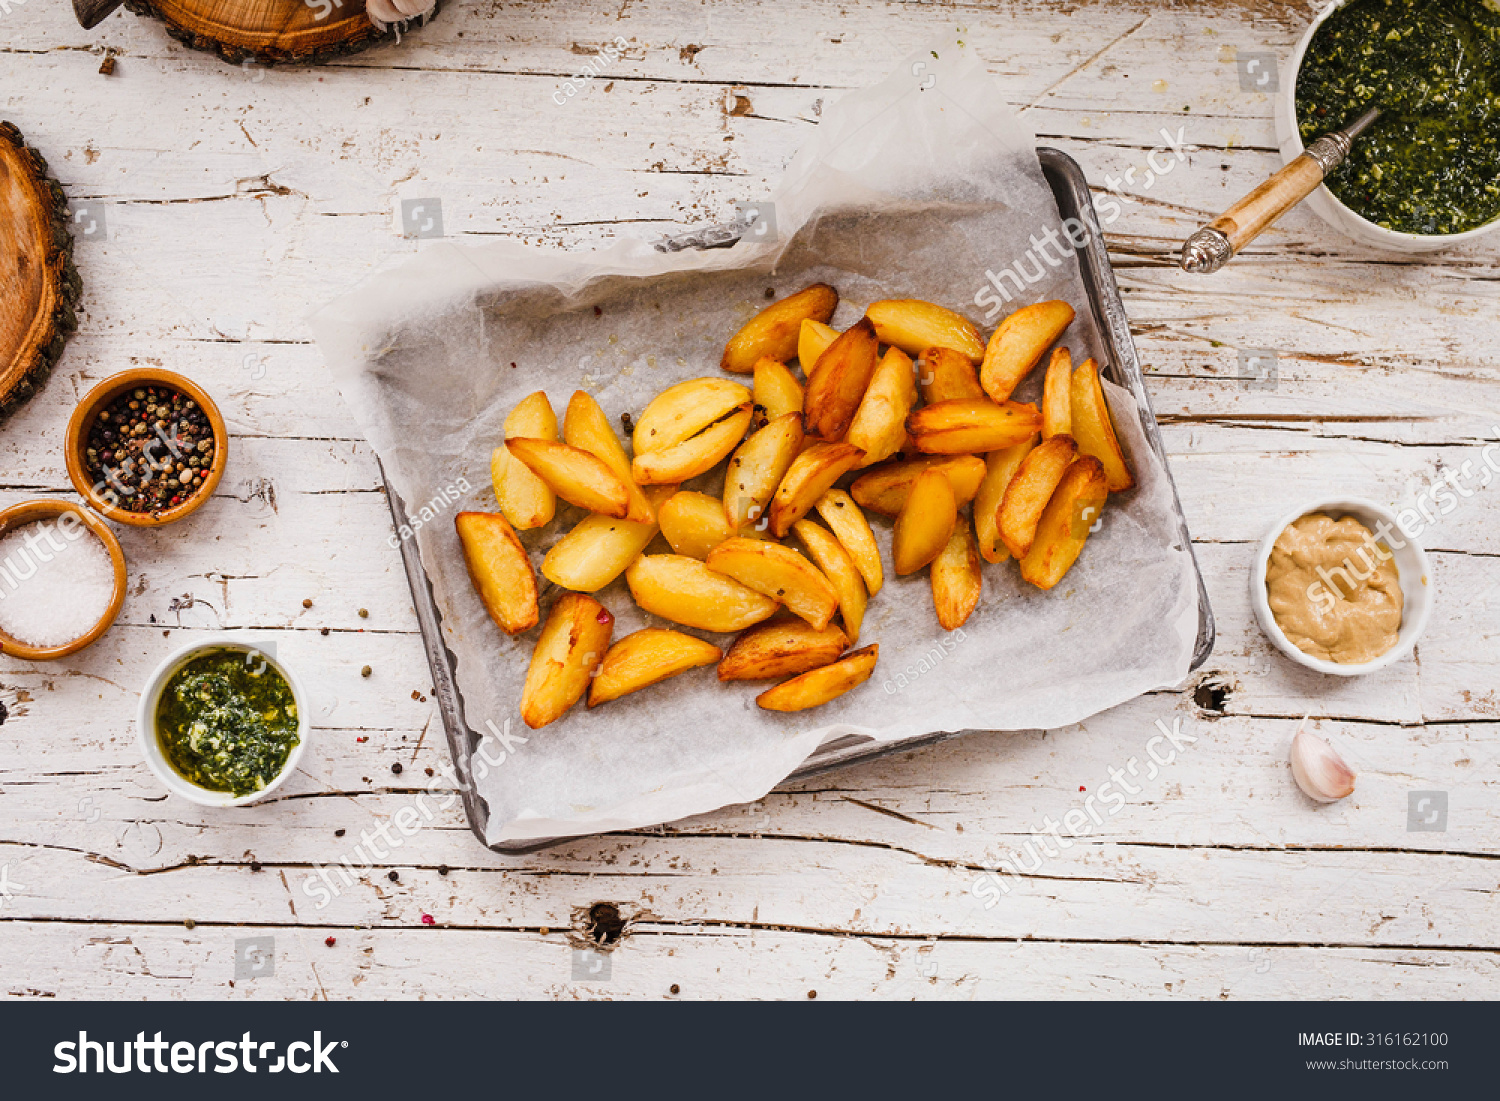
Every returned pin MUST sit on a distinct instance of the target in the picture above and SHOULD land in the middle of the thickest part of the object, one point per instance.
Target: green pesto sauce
(227, 721)
(1431, 163)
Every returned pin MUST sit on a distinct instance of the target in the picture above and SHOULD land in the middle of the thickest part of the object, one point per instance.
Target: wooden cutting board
(39, 287)
(267, 31)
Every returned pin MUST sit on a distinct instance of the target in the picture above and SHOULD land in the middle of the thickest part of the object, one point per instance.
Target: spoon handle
(1213, 246)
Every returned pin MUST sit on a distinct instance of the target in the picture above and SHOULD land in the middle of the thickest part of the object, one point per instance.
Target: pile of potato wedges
(909, 402)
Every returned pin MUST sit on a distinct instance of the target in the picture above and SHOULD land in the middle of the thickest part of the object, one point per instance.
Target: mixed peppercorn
(150, 449)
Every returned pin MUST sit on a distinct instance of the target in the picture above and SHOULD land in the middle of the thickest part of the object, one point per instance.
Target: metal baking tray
(1123, 368)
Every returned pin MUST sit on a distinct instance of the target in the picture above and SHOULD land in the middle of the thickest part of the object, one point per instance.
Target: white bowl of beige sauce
(1340, 588)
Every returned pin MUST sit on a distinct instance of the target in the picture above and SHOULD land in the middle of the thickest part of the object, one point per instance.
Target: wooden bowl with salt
(51, 509)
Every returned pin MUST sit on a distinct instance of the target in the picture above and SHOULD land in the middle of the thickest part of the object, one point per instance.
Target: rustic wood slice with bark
(270, 31)
(39, 286)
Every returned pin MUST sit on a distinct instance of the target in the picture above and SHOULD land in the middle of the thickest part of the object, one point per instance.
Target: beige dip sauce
(1334, 589)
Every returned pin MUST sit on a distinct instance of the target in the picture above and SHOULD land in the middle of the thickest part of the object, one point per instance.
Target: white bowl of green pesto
(1426, 176)
(222, 722)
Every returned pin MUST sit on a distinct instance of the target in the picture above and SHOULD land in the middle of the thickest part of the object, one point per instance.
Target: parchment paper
(914, 188)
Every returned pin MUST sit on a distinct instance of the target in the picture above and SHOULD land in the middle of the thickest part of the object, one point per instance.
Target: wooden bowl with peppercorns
(146, 447)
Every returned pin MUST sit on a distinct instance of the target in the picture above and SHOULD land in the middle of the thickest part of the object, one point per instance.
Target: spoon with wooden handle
(1213, 246)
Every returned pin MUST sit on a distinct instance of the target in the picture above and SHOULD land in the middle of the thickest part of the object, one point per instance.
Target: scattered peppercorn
(339, 833)
(598, 312)
(307, 603)
(364, 613)
(442, 869)
(255, 865)
(190, 923)
(812, 994)
(323, 631)
(394, 877)
(770, 292)
(428, 771)
(366, 671)
(396, 768)
(331, 941)
(149, 450)
(676, 989)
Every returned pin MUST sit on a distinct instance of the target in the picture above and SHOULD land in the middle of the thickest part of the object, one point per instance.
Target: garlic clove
(385, 12)
(1318, 769)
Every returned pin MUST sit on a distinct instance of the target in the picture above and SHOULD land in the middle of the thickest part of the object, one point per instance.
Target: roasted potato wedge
(1066, 523)
(884, 488)
(946, 375)
(571, 646)
(925, 522)
(782, 647)
(879, 425)
(811, 474)
(574, 475)
(999, 468)
(646, 657)
(686, 591)
(841, 514)
(757, 468)
(777, 390)
(695, 455)
(599, 548)
(963, 427)
(526, 500)
(500, 569)
(838, 381)
(694, 523)
(1017, 345)
(1093, 429)
(779, 573)
(812, 342)
(1030, 490)
(1057, 420)
(829, 555)
(773, 332)
(819, 686)
(586, 427)
(914, 326)
(956, 578)
(682, 411)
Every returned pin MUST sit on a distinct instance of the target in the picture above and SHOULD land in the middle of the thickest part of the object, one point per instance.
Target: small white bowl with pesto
(1340, 588)
(222, 722)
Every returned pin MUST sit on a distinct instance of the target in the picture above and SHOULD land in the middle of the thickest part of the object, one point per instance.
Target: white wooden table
(238, 200)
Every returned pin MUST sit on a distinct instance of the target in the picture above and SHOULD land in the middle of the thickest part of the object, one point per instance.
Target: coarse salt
(56, 582)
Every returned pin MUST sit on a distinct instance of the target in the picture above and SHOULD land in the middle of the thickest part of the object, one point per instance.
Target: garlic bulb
(383, 12)
(1318, 769)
